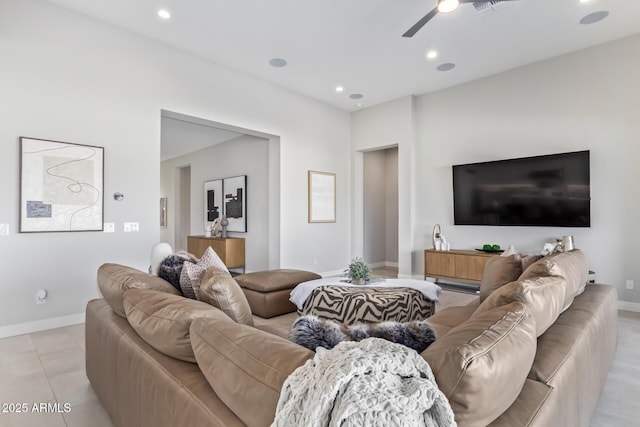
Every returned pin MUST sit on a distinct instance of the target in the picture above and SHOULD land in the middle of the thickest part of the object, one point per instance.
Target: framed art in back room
(235, 203)
(61, 186)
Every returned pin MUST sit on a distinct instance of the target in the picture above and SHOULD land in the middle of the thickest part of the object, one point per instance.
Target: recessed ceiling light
(359, 105)
(164, 14)
(339, 88)
(277, 62)
(584, 1)
(447, 66)
(432, 54)
(356, 96)
(594, 17)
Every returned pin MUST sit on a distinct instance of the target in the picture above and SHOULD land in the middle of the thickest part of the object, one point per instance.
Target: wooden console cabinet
(462, 266)
(229, 249)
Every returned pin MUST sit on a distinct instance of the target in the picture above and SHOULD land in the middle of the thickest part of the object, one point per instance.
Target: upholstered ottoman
(368, 304)
(268, 291)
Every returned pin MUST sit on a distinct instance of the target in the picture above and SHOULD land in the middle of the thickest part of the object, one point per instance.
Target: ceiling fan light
(445, 6)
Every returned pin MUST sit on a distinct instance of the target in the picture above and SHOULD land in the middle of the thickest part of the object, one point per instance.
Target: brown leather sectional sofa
(534, 352)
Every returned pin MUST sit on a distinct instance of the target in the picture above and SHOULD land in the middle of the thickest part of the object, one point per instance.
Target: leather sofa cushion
(499, 271)
(220, 290)
(464, 362)
(571, 265)
(453, 316)
(246, 367)
(115, 279)
(275, 280)
(543, 296)
(163, 320)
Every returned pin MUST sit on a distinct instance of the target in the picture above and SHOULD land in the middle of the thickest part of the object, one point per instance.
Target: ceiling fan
(444, 6)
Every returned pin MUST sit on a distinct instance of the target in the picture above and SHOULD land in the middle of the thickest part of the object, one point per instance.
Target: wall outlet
(630, 285)
(109, 227)
(4, 229)
(131, 227)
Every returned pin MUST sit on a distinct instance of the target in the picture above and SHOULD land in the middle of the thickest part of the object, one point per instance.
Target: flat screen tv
(546, 191)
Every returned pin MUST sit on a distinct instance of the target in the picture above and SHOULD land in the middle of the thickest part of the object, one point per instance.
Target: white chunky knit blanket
(373, 382)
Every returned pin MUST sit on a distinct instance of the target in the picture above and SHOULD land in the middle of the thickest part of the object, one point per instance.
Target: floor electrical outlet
(630, 285)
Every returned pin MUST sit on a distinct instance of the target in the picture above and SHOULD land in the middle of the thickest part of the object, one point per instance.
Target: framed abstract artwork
(61, 186)
(212, 202)
(322, 196)
(235, 203)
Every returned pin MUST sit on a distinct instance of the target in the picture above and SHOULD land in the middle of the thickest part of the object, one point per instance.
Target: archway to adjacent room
(195, 151)
(380, 209)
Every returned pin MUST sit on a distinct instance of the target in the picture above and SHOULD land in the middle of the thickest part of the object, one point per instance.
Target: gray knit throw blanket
(373, 382)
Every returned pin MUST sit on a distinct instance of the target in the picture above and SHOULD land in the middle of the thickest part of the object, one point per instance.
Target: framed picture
(235, 203)
(163, 211)
(212, 202)
(322, 197)
(61, 186)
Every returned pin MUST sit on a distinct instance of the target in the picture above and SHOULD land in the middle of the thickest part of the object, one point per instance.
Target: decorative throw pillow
(498, 272)
(171, 267)
(163, 320)
(220, 290)
(312, 332)
(192, 273)
(529, 260)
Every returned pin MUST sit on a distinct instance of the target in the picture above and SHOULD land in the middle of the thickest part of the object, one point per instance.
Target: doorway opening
(380, 210)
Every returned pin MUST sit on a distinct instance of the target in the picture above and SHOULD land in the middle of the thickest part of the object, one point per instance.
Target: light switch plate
(131, 227)
(109, 227)
(4, 229)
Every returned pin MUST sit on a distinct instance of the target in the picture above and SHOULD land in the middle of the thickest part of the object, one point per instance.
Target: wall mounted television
(546, 191)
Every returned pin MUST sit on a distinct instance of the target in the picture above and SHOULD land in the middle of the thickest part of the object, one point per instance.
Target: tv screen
(551, 190)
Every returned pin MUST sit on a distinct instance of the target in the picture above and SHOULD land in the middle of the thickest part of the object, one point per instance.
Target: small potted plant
(358, 271)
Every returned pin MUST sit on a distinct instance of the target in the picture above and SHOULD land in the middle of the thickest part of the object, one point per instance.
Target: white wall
(380, 188)
(70, 78)
(245, 155)
(585, 100)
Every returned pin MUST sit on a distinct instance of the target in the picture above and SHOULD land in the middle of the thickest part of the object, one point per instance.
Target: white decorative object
(436, 237)
(159, 252)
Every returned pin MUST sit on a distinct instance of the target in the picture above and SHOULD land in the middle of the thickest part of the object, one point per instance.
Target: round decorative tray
(491, 251)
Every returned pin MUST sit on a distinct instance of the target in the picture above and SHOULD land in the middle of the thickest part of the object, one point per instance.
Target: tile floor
(48, 367)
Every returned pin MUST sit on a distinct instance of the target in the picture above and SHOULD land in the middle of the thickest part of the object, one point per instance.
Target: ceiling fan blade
(413, 30)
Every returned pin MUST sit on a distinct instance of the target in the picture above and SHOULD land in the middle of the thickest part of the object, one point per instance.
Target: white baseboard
(41, 325)
(383, 264)
(629, 306)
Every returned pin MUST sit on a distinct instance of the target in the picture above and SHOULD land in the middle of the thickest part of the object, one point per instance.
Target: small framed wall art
(61, 186)
(322, 197)
(235, 203)
(163, 211)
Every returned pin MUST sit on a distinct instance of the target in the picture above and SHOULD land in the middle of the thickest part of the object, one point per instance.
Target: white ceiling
(357, 43)
(184, 136)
